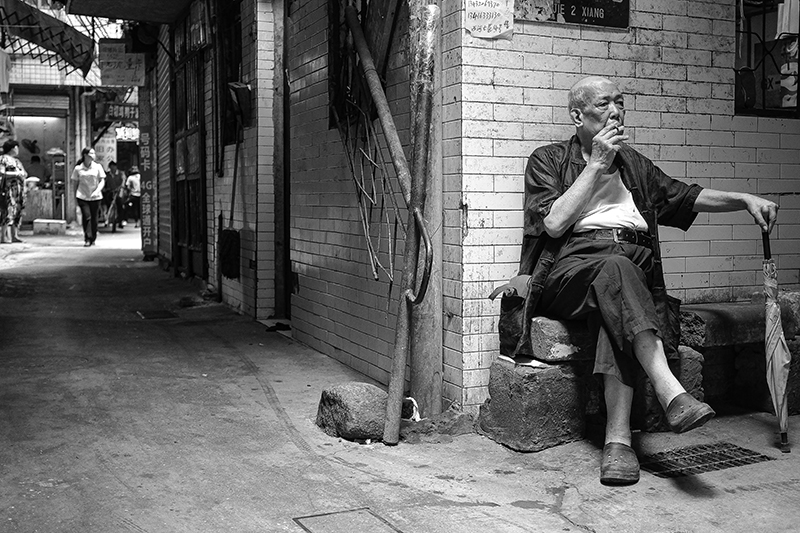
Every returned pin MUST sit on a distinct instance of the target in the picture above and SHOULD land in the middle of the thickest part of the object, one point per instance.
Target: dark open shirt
(551, 170)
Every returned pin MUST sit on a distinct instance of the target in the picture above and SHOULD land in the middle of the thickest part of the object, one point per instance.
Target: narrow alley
(128, 403)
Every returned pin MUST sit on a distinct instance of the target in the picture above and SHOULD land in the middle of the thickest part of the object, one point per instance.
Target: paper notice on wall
(490, 19)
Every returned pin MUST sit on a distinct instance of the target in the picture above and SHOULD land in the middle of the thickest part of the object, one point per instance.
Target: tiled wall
(338, 308)
(675, 65)
(253, 293)
(263, 246)
(500, 100)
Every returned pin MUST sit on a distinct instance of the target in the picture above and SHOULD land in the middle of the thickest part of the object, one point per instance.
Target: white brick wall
(254, 206)
(674, 64)
(339, 309)
(501, 100)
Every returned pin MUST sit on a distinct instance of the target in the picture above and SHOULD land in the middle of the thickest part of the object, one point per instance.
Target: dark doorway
(188, 176)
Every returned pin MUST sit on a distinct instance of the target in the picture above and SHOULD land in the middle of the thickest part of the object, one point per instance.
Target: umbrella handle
(767, 251)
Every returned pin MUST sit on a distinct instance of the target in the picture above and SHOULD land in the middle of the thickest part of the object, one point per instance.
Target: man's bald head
(584, 90)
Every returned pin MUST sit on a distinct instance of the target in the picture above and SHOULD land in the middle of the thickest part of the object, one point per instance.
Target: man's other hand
(765, 212)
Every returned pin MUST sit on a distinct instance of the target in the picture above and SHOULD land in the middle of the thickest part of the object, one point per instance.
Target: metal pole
(426, 318)
(422, 121)
(414, 194)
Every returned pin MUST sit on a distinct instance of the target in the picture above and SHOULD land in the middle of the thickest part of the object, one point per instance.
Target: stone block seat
(546, 401)
(49, 226)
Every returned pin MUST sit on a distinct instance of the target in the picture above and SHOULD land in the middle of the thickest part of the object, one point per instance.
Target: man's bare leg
(683, 411)
(619, 398)
(649, 350)
(619, 465)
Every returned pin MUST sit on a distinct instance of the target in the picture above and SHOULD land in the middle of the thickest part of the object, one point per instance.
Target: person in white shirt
(134, 186)
(89, 179)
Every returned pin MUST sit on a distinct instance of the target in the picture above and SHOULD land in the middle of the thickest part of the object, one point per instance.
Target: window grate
(699, 459)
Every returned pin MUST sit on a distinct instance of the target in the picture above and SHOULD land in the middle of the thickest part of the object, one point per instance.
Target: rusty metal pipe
(381, 105)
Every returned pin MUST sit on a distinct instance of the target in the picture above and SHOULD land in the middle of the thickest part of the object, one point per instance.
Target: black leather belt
(625, 235)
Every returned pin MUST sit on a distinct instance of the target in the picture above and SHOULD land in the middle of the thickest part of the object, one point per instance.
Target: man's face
(605, 105)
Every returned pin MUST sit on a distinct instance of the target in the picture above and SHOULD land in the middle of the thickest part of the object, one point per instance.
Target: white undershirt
(611, 207)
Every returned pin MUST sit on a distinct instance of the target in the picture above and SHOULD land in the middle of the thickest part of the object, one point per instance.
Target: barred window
(229, 58)
(766, 57)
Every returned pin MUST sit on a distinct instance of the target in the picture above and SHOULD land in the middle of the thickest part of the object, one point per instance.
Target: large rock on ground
(534, 407)
(353, 411)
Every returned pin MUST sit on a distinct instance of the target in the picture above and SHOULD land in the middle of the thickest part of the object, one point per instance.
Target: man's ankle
(618, 436)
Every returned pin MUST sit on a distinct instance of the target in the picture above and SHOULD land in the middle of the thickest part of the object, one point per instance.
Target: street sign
(609, 13)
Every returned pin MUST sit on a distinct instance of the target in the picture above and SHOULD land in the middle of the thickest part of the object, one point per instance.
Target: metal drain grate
(694, 460)
(346, 522)
(154, 314)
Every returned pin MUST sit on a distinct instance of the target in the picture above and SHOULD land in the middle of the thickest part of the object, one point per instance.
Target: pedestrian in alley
(89, 178)
(39, 170)
(592, 208)
(134, 187)
(12, 192)
(111, 196)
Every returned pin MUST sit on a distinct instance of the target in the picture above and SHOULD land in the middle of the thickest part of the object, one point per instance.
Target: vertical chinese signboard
(146, 158)
(106, 148)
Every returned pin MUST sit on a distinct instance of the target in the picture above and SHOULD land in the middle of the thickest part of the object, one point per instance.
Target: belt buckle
(615, 235)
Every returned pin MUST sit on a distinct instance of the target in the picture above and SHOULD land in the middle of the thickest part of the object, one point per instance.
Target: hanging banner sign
(112, 112)
(110, 49)
(146, 157)
(127, 70)
(118, 67)
(490, 19)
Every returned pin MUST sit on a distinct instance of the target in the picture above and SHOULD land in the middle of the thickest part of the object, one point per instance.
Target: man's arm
(569, 206)
(764, 212)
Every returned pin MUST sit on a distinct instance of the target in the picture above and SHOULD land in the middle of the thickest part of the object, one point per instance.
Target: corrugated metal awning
(54, 105)
(73, 48)
(153, 11)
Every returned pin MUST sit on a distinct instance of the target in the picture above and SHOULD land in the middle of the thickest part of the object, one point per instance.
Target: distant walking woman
(90, 179)
(12, 192)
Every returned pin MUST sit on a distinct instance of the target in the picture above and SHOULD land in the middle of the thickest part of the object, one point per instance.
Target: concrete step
(546, 402)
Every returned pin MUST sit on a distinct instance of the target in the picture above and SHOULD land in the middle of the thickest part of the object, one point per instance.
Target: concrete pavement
(204, 422)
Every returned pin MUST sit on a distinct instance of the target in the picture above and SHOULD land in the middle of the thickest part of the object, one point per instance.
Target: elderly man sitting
(592, 208)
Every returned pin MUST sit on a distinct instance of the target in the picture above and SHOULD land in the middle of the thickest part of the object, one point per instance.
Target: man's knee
(622, 269)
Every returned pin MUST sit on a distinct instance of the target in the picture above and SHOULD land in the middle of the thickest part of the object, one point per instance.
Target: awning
(153, 11)
(27, 22)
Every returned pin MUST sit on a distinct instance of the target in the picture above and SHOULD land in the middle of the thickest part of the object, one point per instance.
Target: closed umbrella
(778, 356)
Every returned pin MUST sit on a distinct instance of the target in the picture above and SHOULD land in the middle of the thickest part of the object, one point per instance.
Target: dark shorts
(606, 284)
